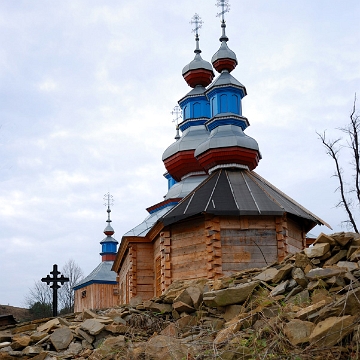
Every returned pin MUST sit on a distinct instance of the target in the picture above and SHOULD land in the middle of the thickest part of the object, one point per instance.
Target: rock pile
(307, 307)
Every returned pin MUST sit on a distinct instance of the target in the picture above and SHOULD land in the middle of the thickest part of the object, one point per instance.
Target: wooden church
(218, 216)
(100, 288)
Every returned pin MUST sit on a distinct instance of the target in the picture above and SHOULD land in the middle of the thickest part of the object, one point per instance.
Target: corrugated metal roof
(237, 192)
(102, 274)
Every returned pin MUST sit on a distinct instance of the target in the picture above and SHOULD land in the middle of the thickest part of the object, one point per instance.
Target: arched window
(213, 107)
(235, 104)
(185, 112)
(223, 103)
(196, 110)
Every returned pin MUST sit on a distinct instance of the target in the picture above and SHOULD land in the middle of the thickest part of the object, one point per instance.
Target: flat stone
(298, 331)
(267, 275)
(92, 326)
(323, 238)
(336, 258)
(303, 314)
(298, 275)
(329, 332)
(196, 295)
(163, 347)
(317, 250)
(225, 335)
(348, 265)
(24, 328)
(232, 311)
(48, 325)
(230, 296)
(73, 350)
(160, 308)
(335, 281)
(294, 292)
(342, 238)
(186, 322)
(180, 307)
(20, 341)
(302, 261)
(351, 302)
(117, 329)
(88, 314)
(64, 322)
(282, 273)
(351, 250)
(171, 331)
(4, 344)
(325, 256)
(300, 298)
(110, 345)
(323, 273)
(37, 336)
(185, 298)
(355, 256)
(316, 261)
(271, 311)
(292, 284)
(32, 350)
(61, 338)
(89, 338)
(213, 323)
(317, 284)
(280, 289)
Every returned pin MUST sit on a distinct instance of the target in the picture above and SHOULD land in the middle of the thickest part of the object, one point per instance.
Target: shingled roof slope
(102, 274)
(237, 192)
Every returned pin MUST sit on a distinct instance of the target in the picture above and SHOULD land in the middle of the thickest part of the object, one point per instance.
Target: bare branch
(333, 151)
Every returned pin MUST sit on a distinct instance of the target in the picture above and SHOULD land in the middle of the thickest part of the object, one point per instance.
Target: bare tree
(66, 292)
(40, 296)
(39, 300)
(349, 193)
(40, 293)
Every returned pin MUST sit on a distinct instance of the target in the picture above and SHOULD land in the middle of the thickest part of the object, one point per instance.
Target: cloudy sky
(86, 91)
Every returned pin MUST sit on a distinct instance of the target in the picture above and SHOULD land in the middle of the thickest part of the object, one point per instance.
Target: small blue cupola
(108, 244)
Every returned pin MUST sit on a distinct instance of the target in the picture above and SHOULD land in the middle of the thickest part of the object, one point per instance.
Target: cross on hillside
(54, 280)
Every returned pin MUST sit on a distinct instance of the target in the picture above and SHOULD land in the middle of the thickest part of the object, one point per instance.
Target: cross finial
(196, 20)
(177, 113)
(109, 201)
(225, 7)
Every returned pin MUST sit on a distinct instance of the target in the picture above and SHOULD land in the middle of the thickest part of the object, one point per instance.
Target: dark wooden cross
(54, 280)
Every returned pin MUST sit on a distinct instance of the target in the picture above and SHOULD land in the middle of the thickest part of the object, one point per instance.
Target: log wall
(124, 274)
(247, 242)
(296, 239)
(96, 296)
(188, 250)
(145, 271)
